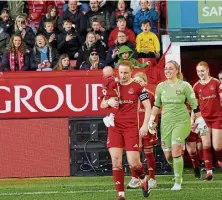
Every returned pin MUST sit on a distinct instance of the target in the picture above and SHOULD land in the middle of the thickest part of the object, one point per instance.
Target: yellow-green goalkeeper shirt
(172, 97)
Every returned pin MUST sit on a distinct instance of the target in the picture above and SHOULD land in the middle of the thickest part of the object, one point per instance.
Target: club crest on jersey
(212, 87)
(178, 91)
(131, 91)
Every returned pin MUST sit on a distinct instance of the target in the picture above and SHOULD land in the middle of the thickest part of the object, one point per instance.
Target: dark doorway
(192, 55)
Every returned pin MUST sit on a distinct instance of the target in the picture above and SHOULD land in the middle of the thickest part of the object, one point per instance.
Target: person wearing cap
(93, 62)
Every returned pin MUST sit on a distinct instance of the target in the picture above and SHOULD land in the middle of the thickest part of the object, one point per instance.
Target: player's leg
(207, 155)
(192, 151)
(179, 135)
(200, 152)
(217, 143)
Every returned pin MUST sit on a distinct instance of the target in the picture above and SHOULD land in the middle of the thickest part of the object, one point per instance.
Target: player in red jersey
(125, 134)
(208, 91)
(148, 141)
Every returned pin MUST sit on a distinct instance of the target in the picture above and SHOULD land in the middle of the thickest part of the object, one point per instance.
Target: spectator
(77, 17)
(51, 15)
(4, 41)
(63, 63)
(6, 22)
(16, 8)
(121, 26)
(112, 55)
(125, 53)
(147, 12)
(16, 58)
(100, 13)
(101, 34)
(68, 40)
(122, 10)
(90, 43)
(25, 31)
(94, 61)
(147, 43)
(50, 33)
(43, 57)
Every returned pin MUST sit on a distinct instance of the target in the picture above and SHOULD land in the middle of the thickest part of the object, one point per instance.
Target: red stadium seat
(73, 63)
(36, 9)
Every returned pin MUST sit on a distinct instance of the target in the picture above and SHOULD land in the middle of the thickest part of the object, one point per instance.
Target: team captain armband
(196, 110)
(144, 96)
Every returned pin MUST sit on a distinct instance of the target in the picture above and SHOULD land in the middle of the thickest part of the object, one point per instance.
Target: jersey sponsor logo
(178, 91)
(131, 91)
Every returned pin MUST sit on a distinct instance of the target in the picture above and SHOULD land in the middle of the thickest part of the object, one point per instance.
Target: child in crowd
(125, 53)
(110, 92)
(147, 43)
(49, 33)
(63, 63)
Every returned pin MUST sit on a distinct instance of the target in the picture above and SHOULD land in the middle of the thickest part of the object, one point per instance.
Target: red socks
(133, 173)
(118, 178)
(200, 154)
(151, 163)
(195, 160)
(207, 155)
(140, 172)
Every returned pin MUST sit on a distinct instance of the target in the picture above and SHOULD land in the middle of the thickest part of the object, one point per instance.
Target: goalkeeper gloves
(152, 125)
(201, 128)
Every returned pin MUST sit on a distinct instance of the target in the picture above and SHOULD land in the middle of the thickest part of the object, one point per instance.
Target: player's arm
(109, 103)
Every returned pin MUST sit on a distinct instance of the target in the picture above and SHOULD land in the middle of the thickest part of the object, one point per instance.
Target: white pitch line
(90, 191)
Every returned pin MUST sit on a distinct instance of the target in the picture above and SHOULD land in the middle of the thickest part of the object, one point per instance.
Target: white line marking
(91, 191)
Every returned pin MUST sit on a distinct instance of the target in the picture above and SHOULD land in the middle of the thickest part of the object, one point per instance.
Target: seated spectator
(25, 31)
(147, 43)
(77, 17)
(43, 57)
(50, 33)
(147, 12)
(16, 58)
(121, 26)
(94, 61)
(101, 34)
(4, 41)
(6, 22)
(122, 10)
(68, 40)
(100, 13)
(112, 55)
(125, 53)
(63, 63)
(51, 15)
(90, 43)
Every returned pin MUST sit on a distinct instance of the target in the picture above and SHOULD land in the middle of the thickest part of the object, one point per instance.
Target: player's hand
(113, 103)
(202, 128)
(152, 125)
(143, 131)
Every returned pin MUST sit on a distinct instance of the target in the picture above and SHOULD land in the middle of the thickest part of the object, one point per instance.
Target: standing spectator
(90, 43)
(68, 40)
(63, 63)
(77, 17)
(26, 32)
(147, 43)
(4, 41)
(121, 26)
(100, 13)
(51, 15)
(16, 58)
(122, 10)
(147, 12)
(43, 57)
(93, 62)
(112, 55)
(6, 22)
(209, 94)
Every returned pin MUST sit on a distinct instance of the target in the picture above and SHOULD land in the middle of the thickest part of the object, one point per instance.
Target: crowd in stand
(96, 33)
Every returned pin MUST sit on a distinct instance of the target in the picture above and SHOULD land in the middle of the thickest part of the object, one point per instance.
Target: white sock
(209, 172)
(122, 194)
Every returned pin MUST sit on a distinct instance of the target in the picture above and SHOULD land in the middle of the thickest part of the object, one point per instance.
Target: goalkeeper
(175, 127)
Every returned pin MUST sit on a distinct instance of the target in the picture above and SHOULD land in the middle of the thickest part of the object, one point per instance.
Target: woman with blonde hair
(63, 63)
(208, 91)
(175, 127)
(21, 27)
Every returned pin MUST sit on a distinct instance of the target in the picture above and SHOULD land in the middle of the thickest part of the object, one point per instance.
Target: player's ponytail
(177, 66)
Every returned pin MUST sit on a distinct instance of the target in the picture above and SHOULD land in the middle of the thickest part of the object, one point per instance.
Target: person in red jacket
(121, 26)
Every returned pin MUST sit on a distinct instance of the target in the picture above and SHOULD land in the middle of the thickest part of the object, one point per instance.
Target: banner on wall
(209, 11)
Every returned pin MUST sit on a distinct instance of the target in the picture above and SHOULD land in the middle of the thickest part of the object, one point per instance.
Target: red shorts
(216, 124)
(149, 140)
(193, 137)
(125, 134)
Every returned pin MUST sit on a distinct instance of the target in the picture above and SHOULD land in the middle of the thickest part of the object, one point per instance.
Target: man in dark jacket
(77, 17)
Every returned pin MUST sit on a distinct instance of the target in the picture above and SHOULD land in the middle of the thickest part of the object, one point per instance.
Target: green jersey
(172, 97)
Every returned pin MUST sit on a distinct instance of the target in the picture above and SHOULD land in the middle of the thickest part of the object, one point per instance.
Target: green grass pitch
(102, 188)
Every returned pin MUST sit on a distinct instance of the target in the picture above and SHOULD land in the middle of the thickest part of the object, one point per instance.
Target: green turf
(101, 188)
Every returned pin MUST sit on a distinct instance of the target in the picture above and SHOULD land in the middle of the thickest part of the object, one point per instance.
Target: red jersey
(209, 99)
(129, 99)
(110, 87)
